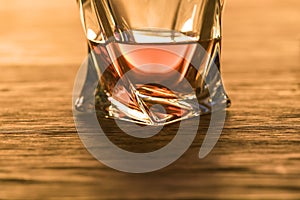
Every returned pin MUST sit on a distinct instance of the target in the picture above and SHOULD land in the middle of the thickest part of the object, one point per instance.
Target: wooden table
(257, 156)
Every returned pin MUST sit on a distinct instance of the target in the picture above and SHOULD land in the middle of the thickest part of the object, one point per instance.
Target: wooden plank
(257, 156)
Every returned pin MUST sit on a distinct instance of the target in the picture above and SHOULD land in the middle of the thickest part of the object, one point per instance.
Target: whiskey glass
(152, 62)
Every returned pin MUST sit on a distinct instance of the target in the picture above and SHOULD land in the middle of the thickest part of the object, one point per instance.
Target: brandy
(147, 74)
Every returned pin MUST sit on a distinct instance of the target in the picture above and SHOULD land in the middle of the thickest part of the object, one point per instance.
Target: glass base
(148, 104)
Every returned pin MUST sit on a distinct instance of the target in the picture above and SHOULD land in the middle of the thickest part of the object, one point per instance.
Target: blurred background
(40, 33)
(48, 32)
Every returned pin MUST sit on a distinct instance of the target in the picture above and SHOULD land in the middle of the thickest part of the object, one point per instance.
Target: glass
(152, 62)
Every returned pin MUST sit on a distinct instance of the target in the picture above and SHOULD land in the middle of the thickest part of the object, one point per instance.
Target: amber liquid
(149, 74)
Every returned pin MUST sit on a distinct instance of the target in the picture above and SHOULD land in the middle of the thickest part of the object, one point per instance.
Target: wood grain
(257, 156)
